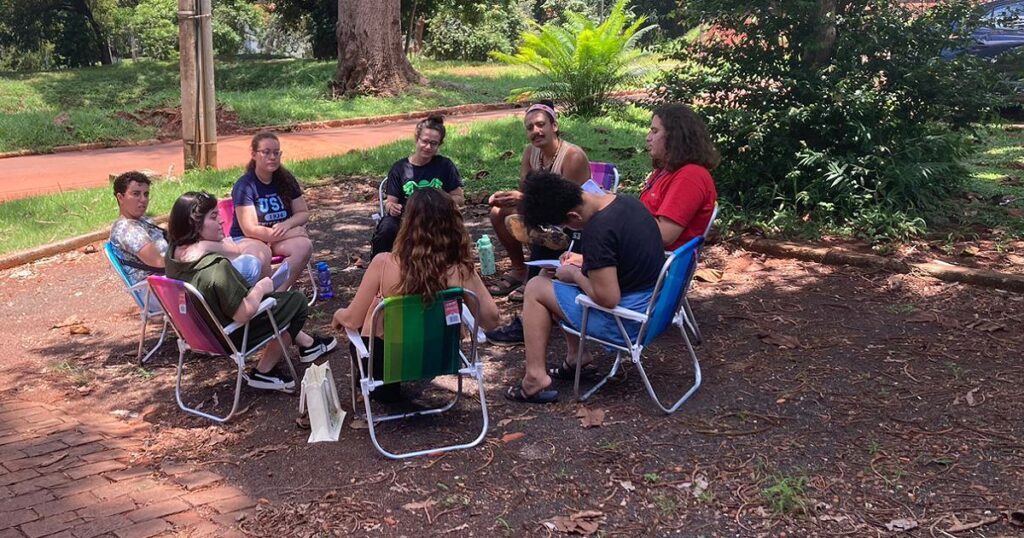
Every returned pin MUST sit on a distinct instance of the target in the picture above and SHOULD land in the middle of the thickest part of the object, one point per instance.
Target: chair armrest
(267, 304)
(139, 286)
(356, 340)
(618, 311)
(469, 321)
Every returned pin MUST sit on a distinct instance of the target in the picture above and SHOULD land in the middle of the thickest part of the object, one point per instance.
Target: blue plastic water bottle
(323, 277)
(485, 250)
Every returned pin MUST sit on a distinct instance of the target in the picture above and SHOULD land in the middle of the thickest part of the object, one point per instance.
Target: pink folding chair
(200, 332)
(606, 175)
(226, 209)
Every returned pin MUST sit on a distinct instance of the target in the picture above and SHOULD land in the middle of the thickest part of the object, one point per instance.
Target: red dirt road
(33, 175)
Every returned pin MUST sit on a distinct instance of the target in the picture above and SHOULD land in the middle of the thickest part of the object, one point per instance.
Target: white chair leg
(142, 339)
(159, 342)
(313, 281)
(181, 403)
(650, 389)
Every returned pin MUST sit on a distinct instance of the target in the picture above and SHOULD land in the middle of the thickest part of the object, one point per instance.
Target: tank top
(556, 165)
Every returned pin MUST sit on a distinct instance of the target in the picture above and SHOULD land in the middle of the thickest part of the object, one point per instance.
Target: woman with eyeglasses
(423, 169)
(269, 207)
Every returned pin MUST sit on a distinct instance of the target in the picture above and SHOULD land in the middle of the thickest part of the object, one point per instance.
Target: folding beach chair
(147, 309)
(226, 209)
(200, 332)
(685, 315)
(421, 341)
(380, 203)
(668, 293)
(606, 175)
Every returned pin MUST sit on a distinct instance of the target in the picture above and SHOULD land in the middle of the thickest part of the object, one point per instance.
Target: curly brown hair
(686, 138)
(431, 241)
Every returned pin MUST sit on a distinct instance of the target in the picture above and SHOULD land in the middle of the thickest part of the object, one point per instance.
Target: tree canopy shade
(834, 111)
(371, 59)
(77, 29)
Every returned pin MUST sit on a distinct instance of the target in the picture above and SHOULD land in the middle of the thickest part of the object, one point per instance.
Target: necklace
(553, 159)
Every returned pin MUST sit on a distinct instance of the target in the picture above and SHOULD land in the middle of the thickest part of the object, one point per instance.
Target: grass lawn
(997, 181)
(41, 110)
(494, 147)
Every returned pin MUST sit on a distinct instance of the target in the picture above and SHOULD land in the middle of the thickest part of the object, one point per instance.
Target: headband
(539, 106)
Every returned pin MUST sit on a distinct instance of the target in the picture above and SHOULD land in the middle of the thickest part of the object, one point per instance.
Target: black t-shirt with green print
(406, 177)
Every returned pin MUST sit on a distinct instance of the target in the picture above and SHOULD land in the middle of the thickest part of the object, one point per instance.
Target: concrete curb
(301, 126)
(836, 256)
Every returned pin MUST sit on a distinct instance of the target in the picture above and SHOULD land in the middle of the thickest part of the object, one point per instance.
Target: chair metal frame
(221, 344)
(380, 202)
(634, 348)
(615, 177)
(685, 315)
(471, 366)
(226, 208)
(140, 293)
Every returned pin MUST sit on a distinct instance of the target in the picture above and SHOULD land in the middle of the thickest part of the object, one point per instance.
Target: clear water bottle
(323, 277)
(485, 250)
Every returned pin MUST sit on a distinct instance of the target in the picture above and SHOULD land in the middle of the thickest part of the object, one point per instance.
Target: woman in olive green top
(194, 223)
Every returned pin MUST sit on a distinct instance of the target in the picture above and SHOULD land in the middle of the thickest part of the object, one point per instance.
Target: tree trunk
(818, 51)
(83, 9)
(370, 57)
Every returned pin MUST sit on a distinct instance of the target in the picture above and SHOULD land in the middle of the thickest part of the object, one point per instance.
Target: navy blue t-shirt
(270, 206)
(406, 177)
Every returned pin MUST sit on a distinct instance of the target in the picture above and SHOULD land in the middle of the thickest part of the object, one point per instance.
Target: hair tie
(545, 108)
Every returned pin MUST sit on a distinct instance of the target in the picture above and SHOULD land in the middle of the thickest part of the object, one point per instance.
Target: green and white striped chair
(421, 341)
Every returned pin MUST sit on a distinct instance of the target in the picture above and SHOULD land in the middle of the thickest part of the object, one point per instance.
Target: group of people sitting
(611, 246)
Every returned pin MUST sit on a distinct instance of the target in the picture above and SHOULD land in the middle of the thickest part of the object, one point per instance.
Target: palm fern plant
(582, 63)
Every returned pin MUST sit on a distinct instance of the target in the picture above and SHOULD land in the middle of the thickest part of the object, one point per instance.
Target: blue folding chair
(669, 292)
(147, 309)
(685, 317)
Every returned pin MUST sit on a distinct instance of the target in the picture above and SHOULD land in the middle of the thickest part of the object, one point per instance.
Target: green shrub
(470, 32)
(583, 62)
(834, 118)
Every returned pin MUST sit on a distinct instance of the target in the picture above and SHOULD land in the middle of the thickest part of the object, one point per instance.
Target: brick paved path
(76, 476)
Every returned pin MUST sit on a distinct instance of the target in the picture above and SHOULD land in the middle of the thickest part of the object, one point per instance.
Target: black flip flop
(565, 372)
(543, 396)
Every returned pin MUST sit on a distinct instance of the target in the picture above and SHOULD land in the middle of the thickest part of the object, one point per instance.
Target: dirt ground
(835, 401)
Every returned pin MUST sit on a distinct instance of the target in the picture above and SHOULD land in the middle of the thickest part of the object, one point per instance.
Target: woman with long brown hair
(269, 206)
(431, 254)
(679, 192)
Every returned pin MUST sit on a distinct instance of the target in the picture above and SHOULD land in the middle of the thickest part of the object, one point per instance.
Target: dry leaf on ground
(590, 418)
(79, 329)
(358, 424)
(708, 275)
(781, 340)
(901, 525)
(986, 326)
(584, 523)
(514, 436)
(923, 316)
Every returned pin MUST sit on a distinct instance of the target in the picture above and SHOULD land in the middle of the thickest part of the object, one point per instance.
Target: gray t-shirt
(129, 236)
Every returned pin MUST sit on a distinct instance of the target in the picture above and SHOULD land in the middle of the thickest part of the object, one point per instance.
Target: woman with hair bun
(423, 169)
(431, 254)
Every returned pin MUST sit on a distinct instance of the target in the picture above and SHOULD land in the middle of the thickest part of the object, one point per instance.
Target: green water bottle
(485, 250)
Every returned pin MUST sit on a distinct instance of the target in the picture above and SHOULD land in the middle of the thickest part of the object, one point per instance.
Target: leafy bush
(154, 24)
(470, 32)
(834, 117)
(583, 62)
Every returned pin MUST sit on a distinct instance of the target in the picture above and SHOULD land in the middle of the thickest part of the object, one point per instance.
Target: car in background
(1002, 28)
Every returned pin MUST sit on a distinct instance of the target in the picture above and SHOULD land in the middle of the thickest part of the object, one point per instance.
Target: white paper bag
(320, 396)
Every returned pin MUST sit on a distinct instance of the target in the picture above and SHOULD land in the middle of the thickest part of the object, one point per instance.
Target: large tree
(370, 56)
(78, 28)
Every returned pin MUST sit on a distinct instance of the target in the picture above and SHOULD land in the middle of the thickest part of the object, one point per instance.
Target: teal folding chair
(420, 342)
(148, 309)
(669, 292)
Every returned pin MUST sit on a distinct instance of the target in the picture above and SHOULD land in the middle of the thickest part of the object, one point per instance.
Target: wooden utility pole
(198, 98)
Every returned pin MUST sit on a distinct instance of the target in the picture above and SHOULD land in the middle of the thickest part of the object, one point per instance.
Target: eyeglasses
(430, 143)
(270, 153)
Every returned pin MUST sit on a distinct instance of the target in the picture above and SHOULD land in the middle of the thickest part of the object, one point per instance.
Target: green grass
(997, 178)
(785, 494)
(262, 92)
(494, 146)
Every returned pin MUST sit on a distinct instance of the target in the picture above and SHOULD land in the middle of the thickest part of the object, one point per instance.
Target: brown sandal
(504, 286)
